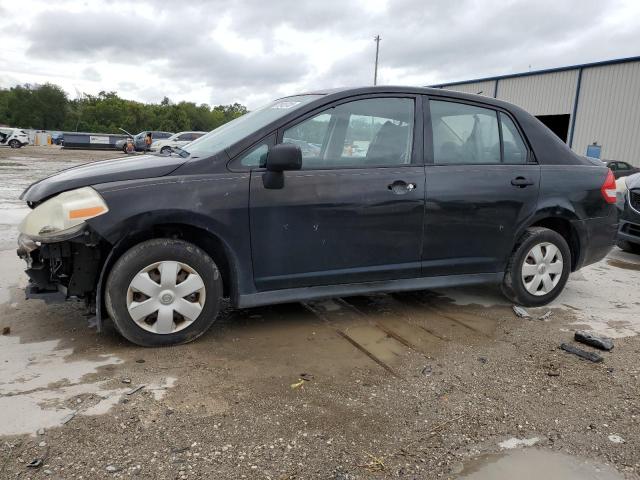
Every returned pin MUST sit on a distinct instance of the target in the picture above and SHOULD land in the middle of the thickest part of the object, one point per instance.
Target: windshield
(235, 130)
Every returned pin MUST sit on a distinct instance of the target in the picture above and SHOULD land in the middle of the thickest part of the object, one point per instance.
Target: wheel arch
(211, 242)
(563, 223)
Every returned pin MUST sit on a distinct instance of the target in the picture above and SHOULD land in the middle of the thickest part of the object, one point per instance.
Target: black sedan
(629, 206)
(622, 169)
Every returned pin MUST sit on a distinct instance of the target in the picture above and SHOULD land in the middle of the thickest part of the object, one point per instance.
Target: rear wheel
(15, 143)
(163, 292)
(538, 268)
(629, 246)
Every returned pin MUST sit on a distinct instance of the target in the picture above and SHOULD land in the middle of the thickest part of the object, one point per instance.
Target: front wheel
(538, 268)
(165, 150)
(163, 292)
(15, 144)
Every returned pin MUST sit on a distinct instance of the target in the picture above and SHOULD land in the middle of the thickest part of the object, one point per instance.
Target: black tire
(124, 149)
(165, 150)
(513, 285)
(629, 246)
(15, 143)
(143, 255)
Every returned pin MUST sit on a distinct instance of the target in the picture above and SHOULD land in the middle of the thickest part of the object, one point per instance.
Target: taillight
(608, 188)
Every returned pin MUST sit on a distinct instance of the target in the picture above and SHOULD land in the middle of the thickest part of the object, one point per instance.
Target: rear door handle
(521, 182)
(400, 187)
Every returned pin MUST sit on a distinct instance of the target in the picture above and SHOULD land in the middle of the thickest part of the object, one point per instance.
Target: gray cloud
(91, 74)
(423, 42)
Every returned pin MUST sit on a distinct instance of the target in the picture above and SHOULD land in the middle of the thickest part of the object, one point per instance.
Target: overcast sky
(251, 51)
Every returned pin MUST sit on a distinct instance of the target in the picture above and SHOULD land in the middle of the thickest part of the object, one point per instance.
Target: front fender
(216, 203)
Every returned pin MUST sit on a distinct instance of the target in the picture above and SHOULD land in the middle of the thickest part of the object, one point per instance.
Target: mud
(411, 385)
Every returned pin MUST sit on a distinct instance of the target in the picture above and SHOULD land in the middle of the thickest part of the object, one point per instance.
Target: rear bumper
(597, 238)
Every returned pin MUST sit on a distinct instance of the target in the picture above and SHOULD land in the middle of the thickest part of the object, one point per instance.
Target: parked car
(179, 139)
(13, 137)
(454, 189)
(629, 206)
(622, 169)
(57, 138)
(139, 140)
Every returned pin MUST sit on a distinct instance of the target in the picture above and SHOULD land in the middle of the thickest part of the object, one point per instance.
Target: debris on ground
(545, 316)
(518, 442)
(112, 469)
(553, 373)
(307, 377)
(591, 356)
(375, 465)
(134, 390)
(6, 330)
(140, 360)
(35, 463)
(68, 418)
(521, 312)
(615, 439)
(41, 431)
(426, 371)
(126, 380)
(298, 384)
(483, 360)
(603, 343)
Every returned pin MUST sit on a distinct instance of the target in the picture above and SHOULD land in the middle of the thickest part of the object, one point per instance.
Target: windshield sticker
(287, 104)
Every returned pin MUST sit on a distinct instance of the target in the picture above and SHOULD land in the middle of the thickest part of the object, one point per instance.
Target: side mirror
(281, 157)
(284, 156)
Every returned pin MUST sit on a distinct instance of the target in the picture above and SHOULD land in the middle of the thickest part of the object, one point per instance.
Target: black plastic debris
(603, 343)
(35, 463)
(591, 356)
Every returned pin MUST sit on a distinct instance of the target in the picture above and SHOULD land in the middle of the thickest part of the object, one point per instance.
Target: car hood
(633, 181)
(116, 170)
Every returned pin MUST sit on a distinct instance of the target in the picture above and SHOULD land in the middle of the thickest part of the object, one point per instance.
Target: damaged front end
(62, 253)
(62, 269)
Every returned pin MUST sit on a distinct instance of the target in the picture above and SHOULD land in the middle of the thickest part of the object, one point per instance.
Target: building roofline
(539, 72)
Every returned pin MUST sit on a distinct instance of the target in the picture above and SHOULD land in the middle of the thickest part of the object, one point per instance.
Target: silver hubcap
(166, 297)
(542, 269)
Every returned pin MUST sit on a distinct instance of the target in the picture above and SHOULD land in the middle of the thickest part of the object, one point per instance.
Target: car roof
(439, 92)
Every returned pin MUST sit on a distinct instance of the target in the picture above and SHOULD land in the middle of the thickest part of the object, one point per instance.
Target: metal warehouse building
(594, 107)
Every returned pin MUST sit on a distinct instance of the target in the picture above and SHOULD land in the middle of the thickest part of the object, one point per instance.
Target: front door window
(375, 132)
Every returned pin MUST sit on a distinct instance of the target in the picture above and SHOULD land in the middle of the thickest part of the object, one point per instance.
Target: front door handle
(400, 187)
(521, 182)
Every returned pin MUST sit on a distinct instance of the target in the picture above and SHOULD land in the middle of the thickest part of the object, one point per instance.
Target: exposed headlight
(63, 215)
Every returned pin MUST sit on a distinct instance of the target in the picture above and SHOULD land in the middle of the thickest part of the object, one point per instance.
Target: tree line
(48, 107)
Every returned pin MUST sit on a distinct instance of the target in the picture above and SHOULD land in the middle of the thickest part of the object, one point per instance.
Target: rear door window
(464, 134)
(514, 150)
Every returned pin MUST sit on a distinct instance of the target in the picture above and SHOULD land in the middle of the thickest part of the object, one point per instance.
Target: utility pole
(375, 72)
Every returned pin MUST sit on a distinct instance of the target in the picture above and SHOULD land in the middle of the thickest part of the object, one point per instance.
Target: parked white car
(13, 137)
(179, 139)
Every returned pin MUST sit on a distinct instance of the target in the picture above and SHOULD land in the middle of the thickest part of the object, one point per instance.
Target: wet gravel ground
(413, 385)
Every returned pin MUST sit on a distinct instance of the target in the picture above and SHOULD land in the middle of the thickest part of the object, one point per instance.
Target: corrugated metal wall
(487, 88)
(544, 94)
(609, 112)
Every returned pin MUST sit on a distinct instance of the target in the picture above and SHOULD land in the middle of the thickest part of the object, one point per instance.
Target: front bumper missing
(62, 269)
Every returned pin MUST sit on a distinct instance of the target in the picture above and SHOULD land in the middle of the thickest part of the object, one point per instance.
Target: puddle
(39, 387)
(12, 274)
(614, 262)
(532, 464)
